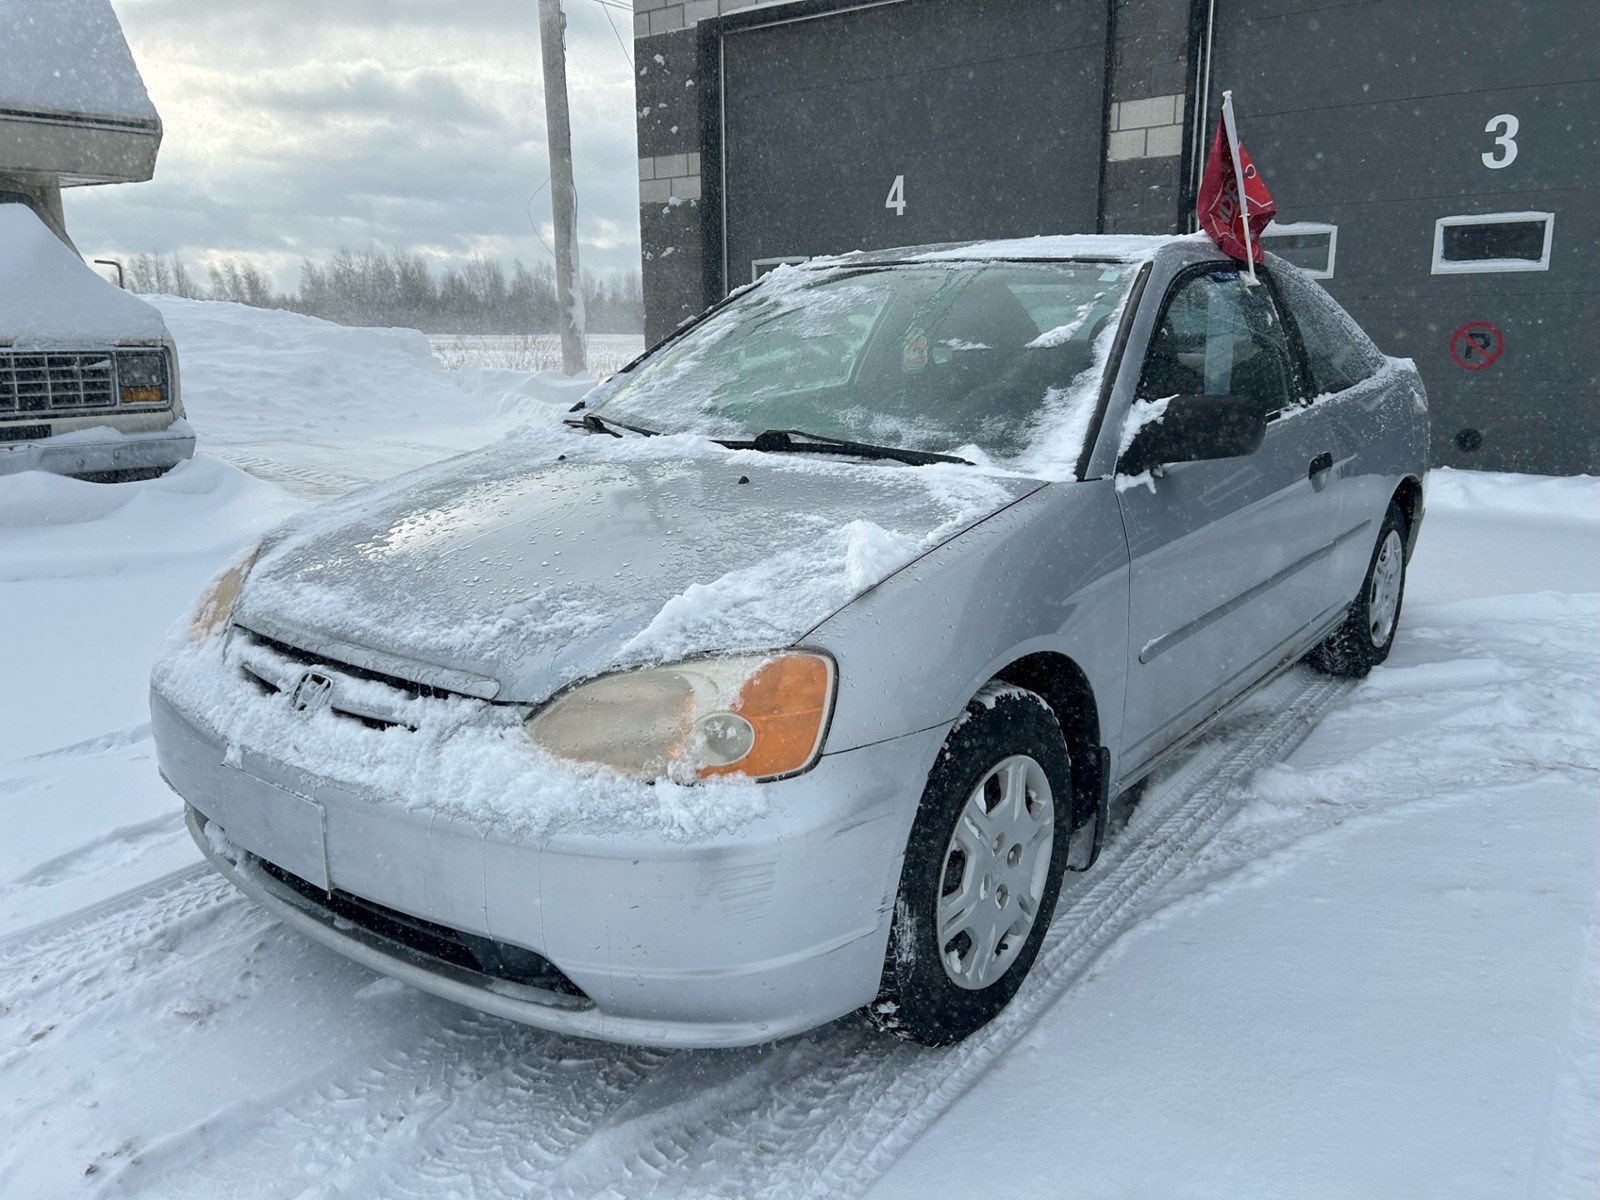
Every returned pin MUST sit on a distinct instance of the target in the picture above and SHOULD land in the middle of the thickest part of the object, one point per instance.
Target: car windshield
(937, 357)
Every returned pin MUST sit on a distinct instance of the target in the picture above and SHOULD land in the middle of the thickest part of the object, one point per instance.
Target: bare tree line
(377, 287)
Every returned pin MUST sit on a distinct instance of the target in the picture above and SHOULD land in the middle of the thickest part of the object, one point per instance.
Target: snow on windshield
(998, 362)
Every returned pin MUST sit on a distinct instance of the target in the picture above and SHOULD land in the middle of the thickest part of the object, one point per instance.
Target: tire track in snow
(840, 1127)
(113, 923)
(480, 1107)
(346, 1135)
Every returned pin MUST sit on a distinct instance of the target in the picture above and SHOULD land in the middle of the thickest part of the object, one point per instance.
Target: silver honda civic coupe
(789, 673)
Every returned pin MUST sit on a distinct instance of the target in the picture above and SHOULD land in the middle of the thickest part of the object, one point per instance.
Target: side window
(1218, 336)
(1339, 354)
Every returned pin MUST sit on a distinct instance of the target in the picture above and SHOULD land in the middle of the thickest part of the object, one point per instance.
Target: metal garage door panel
(989, 111)
(1372, 117)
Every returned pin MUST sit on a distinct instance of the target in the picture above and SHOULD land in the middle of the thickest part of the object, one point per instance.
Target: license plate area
(274, 823)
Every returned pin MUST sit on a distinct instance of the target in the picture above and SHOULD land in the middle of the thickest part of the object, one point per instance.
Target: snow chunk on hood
(757, 604)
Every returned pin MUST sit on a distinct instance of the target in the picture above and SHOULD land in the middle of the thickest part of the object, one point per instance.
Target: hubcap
(994, 872)
(1383, 601)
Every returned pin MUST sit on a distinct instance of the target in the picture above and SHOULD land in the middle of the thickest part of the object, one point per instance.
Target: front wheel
(982, 870)
(1365, 638)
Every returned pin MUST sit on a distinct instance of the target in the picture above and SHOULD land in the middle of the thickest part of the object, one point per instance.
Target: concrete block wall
(1149, 111)
(669, 125)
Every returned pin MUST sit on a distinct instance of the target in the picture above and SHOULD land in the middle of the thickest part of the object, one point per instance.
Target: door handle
(1318, 471)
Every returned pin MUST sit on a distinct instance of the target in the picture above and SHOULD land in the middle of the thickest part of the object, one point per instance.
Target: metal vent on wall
(1492, 242)
(1310, 245)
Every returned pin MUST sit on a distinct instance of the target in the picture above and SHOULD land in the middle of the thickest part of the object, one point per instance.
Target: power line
(606, 6)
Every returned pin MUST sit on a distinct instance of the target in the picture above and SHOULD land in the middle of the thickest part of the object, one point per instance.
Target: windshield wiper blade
(783, 441)
(595, 423)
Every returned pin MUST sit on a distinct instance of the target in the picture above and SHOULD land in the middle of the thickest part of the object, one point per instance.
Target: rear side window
(1340, 355)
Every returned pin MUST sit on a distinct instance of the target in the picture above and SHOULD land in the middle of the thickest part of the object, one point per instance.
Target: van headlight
(761, 716)
(215, 607)
(142, 377)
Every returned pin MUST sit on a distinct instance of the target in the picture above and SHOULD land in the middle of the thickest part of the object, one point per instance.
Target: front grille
(66, 381)
(499, 960)
(412, 689)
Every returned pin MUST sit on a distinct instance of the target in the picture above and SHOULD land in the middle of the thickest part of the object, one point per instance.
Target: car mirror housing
(1194, 428)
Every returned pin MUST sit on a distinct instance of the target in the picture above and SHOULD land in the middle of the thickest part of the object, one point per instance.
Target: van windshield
(931, 357)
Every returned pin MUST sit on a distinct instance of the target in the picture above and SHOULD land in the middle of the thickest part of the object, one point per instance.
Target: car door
(1228, 567)
(1342, 364)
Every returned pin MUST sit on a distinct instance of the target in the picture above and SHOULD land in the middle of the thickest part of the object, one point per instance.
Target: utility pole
(563, 196)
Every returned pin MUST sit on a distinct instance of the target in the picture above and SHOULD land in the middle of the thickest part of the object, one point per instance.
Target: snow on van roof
(69, 56)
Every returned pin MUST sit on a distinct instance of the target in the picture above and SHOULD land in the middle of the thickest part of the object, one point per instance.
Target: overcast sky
(294, 127)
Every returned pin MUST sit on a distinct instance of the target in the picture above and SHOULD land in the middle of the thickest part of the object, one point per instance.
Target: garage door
(1443, 162)
(910, 122)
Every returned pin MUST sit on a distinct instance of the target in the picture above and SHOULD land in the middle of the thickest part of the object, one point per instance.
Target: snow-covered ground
(605, 353)
(1349, 947)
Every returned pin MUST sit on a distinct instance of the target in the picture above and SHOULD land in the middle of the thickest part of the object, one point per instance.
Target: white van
(88, 373)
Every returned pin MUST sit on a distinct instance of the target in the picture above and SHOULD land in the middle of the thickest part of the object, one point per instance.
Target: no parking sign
(1476, 345)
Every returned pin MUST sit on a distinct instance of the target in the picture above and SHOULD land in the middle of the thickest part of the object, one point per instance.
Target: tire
(994, 827)
(1364, 640)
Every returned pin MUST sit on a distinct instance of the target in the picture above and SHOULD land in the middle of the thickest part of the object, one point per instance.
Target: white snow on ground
(1370, 969)
(322, 409)
(1380, 977)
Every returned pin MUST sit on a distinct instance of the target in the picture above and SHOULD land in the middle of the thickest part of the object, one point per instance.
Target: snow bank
(255, 374)
(53, 527)
(1574, 497)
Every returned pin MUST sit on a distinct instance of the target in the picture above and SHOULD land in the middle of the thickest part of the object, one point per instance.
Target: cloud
(294, 127)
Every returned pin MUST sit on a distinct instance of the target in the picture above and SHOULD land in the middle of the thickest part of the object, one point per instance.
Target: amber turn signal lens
(141, 395)
(786, 703)
(212, 613)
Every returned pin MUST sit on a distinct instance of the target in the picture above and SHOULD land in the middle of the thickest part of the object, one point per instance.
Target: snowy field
(1350, 947)
(604, 353)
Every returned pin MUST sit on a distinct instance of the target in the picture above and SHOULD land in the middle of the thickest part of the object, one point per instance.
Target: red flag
(1218, 208)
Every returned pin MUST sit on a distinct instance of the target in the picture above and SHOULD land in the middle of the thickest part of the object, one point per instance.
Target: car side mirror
(1194, 428)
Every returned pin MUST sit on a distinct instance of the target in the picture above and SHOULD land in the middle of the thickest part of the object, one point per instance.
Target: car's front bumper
(733, 940)
(101, 449)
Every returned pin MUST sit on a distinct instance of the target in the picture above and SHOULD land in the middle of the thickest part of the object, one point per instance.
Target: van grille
(56, 381)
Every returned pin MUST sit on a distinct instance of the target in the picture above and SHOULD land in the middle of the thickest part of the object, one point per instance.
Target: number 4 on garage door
(897, 196)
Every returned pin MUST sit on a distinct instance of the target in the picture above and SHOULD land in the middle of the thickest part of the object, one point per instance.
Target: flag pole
(1238, 178)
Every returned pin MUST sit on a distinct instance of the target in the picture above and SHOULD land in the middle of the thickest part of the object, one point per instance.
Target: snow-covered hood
(50, 297)
(513, 571)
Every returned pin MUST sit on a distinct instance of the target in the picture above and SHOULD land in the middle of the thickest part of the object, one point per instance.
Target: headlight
(216, 602)
(760, 716)
(142, 376)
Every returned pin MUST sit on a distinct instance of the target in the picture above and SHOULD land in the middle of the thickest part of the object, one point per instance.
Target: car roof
(1094, 247)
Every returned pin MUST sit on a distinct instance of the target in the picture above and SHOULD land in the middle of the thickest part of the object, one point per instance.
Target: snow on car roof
(1122, 247)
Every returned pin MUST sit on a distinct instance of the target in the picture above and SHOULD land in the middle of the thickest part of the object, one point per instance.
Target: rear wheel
(1365, 638)
(982, 871)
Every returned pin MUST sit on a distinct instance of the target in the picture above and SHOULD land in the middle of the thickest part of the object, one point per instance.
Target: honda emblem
(313, 692)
